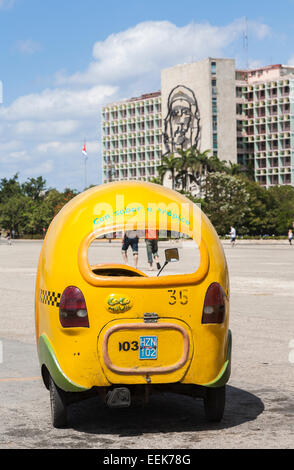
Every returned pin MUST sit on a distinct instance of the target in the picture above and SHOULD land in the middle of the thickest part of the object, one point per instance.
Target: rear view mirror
(171, 255)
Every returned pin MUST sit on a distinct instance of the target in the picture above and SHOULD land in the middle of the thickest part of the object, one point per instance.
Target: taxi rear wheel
(214, 403)
(58, 406)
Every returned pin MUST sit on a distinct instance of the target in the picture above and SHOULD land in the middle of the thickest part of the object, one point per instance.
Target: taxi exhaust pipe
(118, 398)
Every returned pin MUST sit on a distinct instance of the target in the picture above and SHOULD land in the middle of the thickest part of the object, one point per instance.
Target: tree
(201, 164)
(183, 165)
(15, 213)
(40, 217)
(168, 164)
(9, 187)
(226, 201)
(253, 210)
(34, 188)
(234, 169)
(64, 198)
(282, 210)
(156, 180)
(260, 219)
(29, 207)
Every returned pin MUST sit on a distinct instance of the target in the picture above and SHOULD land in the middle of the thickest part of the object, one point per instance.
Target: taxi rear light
(214, 309)
(72, 308)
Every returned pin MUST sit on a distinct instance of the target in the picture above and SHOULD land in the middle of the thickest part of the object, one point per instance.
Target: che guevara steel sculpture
(182, 122)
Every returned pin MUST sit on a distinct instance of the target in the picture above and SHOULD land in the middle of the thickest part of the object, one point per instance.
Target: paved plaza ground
(260, 394)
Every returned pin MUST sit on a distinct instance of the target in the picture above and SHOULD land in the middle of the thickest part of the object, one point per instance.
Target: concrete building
(131, 138)
(239, 115)
(137, 132)
(265, 122)
(213, 84)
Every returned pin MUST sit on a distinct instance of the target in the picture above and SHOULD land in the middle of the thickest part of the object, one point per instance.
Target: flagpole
(85, 172)
(84, 151)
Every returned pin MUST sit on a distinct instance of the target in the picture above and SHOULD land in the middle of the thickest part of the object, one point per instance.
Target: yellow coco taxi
(111, 328)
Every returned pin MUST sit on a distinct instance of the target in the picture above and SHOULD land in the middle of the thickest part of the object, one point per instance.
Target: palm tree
(215, 164)
(155, 180)
(183, 167)
(191, 165)
(201, 164)
(235, 169)
(168, 164)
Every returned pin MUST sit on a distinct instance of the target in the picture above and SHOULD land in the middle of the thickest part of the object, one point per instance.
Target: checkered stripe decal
(49, 298)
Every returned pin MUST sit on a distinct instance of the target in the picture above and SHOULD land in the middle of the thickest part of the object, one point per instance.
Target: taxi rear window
(141, 253)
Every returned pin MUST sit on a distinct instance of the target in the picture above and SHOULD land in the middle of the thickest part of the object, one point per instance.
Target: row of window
(132, 127)
(273, 145)
(132, 158)
(267, 180)
(269, 128)
(127, 173)
(214, 107)
(263, 111)
(133, 142)
(273, 162)
(132, 112)
(269, 93)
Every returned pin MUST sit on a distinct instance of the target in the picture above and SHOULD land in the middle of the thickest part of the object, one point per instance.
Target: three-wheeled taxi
(108, 327)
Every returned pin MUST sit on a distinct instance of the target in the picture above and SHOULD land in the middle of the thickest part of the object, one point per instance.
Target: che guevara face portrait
(181, 125)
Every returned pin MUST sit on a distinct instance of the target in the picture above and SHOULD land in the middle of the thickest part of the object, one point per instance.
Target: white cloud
(8, 145)
(6, 3)
(41, 169)
(58, 103)
(58, 148)
(151, 46)
(42, 133)
(18, 156)
(28, 46)
(291, 60)
(62, 148)
(46, 128)
(260, 30)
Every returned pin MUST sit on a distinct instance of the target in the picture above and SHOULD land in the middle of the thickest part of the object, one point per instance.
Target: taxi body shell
(106, 352)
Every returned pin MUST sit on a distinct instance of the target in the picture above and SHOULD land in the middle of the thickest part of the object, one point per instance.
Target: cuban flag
(84, 150)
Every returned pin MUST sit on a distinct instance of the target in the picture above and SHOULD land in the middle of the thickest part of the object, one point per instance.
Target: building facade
(131, 138)
(240, 116)
(265, 123)
(213, 84)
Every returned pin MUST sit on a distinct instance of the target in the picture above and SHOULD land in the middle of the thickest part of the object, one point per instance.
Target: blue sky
(60, 61)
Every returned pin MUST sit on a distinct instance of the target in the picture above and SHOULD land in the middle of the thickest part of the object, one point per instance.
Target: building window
(214, 106)
(213, 68)
(214, 141)
(213, 87)
(214, 123)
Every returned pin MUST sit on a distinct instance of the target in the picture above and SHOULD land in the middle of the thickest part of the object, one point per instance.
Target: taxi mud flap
(119, 397)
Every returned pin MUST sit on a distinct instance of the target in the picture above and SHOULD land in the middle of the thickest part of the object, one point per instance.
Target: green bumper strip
(47, 357)
(225, 372)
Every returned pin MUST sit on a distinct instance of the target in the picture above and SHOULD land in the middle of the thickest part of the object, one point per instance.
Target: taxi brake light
(72, 308)
(214, 309)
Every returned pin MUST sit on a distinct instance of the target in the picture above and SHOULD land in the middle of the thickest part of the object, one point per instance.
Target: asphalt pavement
(260, 394)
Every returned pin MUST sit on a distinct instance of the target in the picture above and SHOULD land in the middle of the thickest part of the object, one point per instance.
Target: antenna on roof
(245, 40)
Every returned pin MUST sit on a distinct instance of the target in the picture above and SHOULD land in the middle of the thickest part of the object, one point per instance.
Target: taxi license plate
(148, 347)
